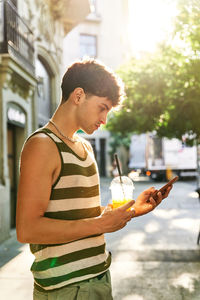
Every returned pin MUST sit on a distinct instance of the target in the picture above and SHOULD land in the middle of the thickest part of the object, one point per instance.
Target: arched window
(43, 93)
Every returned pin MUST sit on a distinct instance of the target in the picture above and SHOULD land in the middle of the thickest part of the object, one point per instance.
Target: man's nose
(104, 119)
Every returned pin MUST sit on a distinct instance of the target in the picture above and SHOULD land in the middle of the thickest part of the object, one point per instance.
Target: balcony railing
(16, 38)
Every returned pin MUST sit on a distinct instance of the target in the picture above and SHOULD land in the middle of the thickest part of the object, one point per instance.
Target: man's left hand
(146, 203)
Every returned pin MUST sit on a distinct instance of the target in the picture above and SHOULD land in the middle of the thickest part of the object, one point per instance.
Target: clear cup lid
(126, 181)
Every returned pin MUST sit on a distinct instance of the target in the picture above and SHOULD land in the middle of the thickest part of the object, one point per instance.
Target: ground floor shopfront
(17, 93)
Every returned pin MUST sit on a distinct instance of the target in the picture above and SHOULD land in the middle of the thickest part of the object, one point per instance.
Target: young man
(58, 207)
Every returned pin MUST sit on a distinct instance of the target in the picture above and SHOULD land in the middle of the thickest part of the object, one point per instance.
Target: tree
(183, 115)
(187, 26)
(163, 90)
(144, 86)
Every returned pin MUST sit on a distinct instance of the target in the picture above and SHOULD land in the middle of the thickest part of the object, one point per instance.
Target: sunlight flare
(150, 21)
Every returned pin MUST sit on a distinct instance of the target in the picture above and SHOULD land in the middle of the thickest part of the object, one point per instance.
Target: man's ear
(78, 95)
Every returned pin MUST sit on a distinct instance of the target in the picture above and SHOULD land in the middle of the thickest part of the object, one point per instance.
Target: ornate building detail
(19, 86)
(14, 82)
(69, 12)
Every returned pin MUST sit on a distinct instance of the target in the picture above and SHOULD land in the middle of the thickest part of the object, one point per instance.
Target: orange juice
(118, 203)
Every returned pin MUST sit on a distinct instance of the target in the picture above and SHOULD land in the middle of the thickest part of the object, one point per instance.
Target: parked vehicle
(158, 157)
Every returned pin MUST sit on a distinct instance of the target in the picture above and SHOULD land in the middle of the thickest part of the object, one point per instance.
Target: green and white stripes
(75, 195)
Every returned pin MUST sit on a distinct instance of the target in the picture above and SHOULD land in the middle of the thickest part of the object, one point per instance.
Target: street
(155, 257)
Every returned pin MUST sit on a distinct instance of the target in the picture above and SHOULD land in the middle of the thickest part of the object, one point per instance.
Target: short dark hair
(94, 78)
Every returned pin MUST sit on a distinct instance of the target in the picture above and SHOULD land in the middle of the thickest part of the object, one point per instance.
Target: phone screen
(164, 188)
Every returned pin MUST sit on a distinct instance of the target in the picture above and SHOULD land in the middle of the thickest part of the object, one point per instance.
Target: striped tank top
(75, 195)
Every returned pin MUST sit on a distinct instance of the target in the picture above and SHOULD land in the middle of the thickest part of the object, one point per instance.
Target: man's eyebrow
(106, 106)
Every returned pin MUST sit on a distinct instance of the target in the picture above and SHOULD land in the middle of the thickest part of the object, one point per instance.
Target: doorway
(12, 168)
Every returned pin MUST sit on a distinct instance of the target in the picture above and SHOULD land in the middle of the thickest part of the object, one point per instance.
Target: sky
(150, 21)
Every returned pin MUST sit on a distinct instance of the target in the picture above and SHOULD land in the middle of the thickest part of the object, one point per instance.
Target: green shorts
(97, 288)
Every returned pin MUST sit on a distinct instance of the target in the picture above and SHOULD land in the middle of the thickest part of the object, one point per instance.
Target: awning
(69, 12)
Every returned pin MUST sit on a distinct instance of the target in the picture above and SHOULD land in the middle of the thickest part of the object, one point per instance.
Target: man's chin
(88, 131)
(91, 131)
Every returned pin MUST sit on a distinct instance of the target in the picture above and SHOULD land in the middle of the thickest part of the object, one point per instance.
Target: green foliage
(143, 86)
(118, 139)
(163, 89)
(187, 25)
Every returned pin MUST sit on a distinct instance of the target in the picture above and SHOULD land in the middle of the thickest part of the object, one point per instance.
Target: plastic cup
(122, 192)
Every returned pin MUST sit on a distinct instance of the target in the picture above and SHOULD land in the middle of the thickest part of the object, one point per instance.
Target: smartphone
(164, 188)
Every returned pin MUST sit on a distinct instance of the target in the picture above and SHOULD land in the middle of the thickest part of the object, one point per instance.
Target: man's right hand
(113, 220)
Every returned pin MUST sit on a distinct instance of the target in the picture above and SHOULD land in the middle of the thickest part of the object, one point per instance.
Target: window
(43, 93)
(88, 45)
(93, 6)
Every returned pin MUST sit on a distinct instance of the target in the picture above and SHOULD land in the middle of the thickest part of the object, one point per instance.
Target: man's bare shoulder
(39, 140)
(39, 146)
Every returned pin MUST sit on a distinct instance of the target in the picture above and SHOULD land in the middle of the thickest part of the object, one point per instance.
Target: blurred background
(154, 46)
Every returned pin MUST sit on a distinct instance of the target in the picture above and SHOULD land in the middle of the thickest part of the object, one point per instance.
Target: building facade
(31, 40)
(102, 35)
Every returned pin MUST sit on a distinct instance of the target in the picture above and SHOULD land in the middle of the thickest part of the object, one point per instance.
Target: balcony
(69, 13)
(16, 38)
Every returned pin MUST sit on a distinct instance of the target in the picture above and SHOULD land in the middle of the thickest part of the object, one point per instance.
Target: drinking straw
(119, 171)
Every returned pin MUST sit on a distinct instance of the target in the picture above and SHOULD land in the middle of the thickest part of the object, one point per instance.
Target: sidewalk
(15, 278)
(154, 258)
